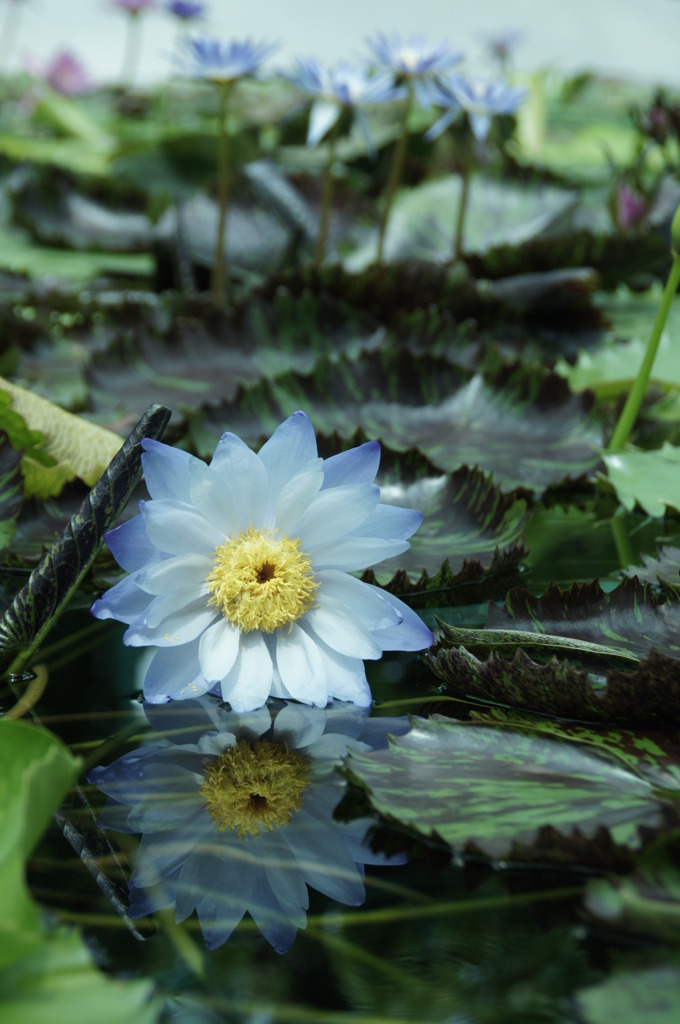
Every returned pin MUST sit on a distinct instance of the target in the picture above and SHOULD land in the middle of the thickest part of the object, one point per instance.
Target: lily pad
(612, 370)
(650, 993)
(528, 434)
(497, 789)
(664, 569)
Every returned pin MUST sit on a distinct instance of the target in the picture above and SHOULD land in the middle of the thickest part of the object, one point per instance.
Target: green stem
(462, 207)
(132, 49)
(637, 392)
(220, 259)
(326, 196)
(394, 178)
(624, 549)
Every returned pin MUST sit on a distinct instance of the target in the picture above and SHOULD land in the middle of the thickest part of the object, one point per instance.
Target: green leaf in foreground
(504, 791)
(36, 771)
(39, 603)
(650, 994)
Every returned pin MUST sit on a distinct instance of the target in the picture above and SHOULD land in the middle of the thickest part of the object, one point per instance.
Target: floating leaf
(497, 789)
(80, 449)
(528, 434)
(613, 369)
(665, 568)
(52, 583)
(650, 478)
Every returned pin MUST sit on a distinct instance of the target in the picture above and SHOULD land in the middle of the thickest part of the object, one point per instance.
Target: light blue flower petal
(171, 620)
(301, 667)
(364, 601)
(247, 685)
(170, 574)
(345, 676)
(295, 496)
(178, 529)
(440, 126)
(160, 853)
(389, 522)
(124, 602)
(218, 648)
(353, 553)
(273, 922)
(322, 857)
(130, 545)
(343, 631)
(288, 450)
(298, 725)
(480, 124)
(246, 477)
(410, 635)
(174, 673)
(285, 880)
(333, 512)
(210, 493)
(166, 470)
(355, 466)
(322, 116)
(232, 881)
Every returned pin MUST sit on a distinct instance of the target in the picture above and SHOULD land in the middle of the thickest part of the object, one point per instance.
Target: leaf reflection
(235, 813)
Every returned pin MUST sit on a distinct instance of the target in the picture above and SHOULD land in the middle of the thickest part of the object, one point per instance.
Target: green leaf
(36, 771)
(78, 448)
(11, 489)
(52, 583)
(650, 994)
(497, 790)
(649, 478)
(18, 253)
(59, 982)
(664, 569)
(612, 370)
(75, 155)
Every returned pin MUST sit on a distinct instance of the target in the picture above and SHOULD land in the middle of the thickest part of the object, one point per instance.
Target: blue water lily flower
(240, 571)
(413, 60)
(185, 10)
(346, 87)
(240, 819)
(481, 99)
(221, 62)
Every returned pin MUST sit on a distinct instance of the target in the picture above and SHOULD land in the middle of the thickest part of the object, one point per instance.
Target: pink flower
(629, 208)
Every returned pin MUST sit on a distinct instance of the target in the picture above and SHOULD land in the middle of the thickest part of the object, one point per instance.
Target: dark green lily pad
(650, 993)
(530, 434)
(498, 790)
(205, 355)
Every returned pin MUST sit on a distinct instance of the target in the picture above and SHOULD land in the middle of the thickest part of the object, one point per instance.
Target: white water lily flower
(239, 572)
(241, 820)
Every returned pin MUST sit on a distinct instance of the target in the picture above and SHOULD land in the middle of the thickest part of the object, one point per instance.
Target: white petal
(301, 667)
(296, 495)
(299, 725)
(217, 649)
(323, 858)
(246, 478)
(124, 602)
(178, 529)
(390, 522)
(168, 626)
(338, 626)
(247, 685)
(174, 673)
(290, 448)
(356, 466)
(410, 635)
(183, 571)
(166, 470)
(323, 115)
(365, 601)
(211, 495)
(352, 553)
(346, 677)
(334, 512)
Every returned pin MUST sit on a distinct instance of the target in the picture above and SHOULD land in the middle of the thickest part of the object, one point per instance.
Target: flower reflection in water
(236, 813)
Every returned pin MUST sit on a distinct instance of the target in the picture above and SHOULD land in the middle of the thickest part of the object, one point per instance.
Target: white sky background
(629, 38)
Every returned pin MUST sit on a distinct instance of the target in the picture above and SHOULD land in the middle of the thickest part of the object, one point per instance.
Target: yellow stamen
(254, 787)
(259, 581)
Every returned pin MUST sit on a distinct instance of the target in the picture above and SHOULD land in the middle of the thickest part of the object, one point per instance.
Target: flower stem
(637, 392)
(220, 260)
(396, 169)
(326, 196)
(462, 208)
(132, 49)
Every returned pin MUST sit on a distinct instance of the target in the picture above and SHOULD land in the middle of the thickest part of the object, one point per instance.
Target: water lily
(240, 571)
(223, 64)
(413, 60)
(185, 10)
(481, 99)
(240, 819)
(64, 73)
(338, 96)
